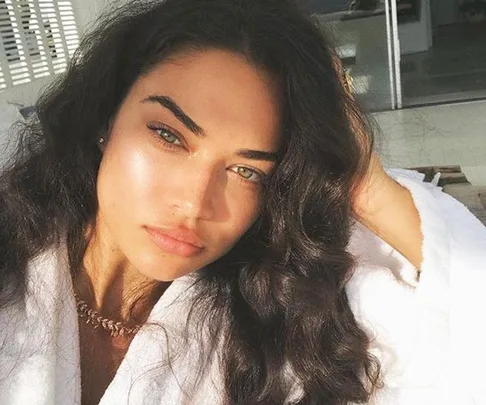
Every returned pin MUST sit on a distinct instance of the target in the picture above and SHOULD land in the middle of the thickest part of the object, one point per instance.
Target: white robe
(428, 335)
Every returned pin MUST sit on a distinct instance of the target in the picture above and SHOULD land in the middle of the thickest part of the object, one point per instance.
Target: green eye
(167, 136)
(249, 174)
(245, 173)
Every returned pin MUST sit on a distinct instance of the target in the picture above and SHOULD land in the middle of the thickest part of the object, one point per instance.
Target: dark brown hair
(280, 293)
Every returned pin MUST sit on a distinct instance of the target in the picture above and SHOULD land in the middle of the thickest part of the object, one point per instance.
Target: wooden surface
(454, 182)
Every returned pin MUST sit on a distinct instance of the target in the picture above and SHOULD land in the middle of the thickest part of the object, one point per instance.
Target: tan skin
(160, 171)
(387, 208)
(156, 172)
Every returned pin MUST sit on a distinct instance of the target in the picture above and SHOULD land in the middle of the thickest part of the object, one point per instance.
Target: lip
(178, 241)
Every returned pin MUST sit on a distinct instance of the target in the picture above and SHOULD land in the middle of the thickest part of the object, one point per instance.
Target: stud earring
(102, 141)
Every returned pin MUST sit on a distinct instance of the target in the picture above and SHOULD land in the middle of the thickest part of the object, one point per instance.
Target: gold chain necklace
(93, 317)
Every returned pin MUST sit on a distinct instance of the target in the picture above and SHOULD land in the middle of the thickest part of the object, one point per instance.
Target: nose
(195, 194)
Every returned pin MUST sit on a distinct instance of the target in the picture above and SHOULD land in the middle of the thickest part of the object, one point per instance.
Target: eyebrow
(172, 106)
(189, 123)
(257, 155)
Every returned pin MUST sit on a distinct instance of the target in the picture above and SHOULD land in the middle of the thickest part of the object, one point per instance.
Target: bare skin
(387, 209)
(198, 174)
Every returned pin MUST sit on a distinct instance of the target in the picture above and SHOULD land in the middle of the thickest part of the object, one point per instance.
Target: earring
(102, 141)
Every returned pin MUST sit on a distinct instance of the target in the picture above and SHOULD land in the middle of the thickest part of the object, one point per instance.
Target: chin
(163, 273)
(168, 277)
(163, 268)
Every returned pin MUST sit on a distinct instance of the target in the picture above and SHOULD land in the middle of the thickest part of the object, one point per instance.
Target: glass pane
(359, 31)
(443, 50)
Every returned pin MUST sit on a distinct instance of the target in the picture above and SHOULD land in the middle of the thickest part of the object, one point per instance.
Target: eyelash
(262, 177)
(156, 128)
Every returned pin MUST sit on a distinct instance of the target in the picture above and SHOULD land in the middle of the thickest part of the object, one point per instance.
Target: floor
(454, 68)
(452, 134)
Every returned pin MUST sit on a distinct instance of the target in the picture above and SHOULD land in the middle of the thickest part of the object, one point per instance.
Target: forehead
(220, 91)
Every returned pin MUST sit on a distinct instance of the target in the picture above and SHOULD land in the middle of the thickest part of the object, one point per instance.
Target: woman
(177, 228)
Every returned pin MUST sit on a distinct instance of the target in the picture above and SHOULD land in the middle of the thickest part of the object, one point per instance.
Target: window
(37, 39)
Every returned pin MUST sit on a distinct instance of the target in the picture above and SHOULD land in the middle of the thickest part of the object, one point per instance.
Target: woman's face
(181, 178)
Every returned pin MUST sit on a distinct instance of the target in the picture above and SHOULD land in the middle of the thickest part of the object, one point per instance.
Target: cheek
(125, 178)
(245, 209)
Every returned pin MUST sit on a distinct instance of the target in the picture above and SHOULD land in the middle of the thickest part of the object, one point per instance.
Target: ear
(102, 143)
(103, 138)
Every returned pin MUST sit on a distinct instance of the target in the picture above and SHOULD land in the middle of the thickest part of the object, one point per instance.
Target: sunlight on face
(181, 176)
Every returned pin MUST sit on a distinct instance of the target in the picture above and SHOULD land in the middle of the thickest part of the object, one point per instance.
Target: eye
(249, 174)
(166, 135)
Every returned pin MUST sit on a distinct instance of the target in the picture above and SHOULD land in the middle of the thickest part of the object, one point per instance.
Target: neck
(112, 286)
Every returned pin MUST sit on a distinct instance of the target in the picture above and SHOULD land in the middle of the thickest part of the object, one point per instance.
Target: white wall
(87, 11)
(25, 94)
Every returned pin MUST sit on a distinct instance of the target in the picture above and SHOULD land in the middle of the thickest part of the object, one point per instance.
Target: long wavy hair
(281, 290)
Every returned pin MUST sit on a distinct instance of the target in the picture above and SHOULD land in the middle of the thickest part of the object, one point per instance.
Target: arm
(387, 209)
(383, 205)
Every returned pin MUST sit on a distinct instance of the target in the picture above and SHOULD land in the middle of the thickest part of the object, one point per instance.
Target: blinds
(37, 38)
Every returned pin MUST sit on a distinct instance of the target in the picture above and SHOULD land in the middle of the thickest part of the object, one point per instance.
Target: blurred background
(419, 66)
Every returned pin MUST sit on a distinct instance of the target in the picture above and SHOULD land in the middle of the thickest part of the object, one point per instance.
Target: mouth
(179, 241)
